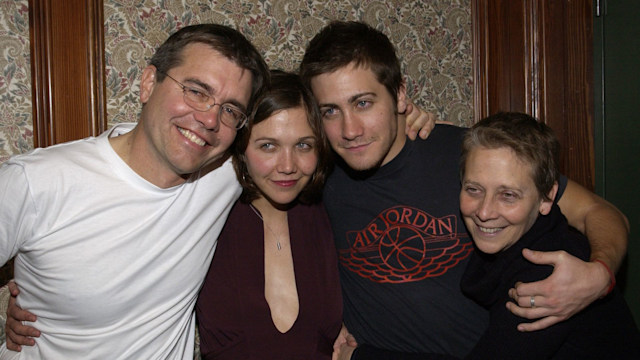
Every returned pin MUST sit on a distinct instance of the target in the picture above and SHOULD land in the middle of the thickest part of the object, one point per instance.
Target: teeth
(191, 136)
(489, 230)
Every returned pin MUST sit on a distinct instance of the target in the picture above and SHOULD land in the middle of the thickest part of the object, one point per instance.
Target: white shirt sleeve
(17, 210)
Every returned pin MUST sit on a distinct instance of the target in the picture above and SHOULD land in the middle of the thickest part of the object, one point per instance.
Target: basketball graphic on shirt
(405, 244)
(402, 247)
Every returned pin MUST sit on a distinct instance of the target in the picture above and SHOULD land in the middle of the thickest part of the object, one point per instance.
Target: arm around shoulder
(574, 284)
(606, 227)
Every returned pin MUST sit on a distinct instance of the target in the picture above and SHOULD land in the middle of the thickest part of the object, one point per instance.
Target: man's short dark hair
(227, 41)
(349, 42)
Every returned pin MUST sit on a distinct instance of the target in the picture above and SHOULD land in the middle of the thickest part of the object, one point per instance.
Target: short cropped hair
(285, 92)
(227, 41)
(532, 141)
(342, 43)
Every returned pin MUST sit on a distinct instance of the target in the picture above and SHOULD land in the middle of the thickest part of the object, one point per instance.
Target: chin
(361, 164)
(490, 247)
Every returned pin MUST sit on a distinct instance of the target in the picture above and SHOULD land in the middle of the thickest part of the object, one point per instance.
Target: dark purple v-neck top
(233, 315)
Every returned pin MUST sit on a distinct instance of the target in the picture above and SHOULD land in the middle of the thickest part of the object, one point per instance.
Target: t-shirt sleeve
(17, 213)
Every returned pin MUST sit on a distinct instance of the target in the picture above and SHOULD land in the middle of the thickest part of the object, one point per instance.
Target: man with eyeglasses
(114, 234)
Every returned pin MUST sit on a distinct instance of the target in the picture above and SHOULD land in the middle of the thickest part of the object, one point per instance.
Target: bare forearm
(604, 225)
(607, 230)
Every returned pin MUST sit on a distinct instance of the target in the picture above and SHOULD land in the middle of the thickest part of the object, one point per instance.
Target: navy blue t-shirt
(403, 248)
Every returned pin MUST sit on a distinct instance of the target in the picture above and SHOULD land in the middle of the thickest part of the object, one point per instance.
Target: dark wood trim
(98, 66)
(67, 69)
(534, 65)
(40, 82)
(480, 62)
(535, 56)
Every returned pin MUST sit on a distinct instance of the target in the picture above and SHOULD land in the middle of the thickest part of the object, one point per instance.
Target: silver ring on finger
(532, 301)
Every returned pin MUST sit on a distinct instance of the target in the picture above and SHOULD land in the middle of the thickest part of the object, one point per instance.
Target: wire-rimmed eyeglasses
(199, 100)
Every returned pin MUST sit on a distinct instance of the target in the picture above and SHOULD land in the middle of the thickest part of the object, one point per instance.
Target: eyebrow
(518, 190)
(209, 90)
(199, 83)
(502, 187)
(359, 95)
(351, 99)
(275, 140)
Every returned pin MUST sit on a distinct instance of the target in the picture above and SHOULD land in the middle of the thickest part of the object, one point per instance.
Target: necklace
(255, 211)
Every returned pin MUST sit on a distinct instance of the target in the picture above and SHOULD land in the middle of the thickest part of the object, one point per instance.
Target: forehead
(290, 123)
(344, 82)
(499, 164)
(202, 62)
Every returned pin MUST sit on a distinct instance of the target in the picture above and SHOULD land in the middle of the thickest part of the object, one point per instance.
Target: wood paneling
(67, 69)
(535, 56)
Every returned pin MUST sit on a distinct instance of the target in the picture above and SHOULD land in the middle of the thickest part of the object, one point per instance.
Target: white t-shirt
(110, 263)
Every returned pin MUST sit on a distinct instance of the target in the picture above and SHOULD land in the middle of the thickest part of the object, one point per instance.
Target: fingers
(521, 293)
(13, 288)
(14, 341)
(527, 299)
(411, 133)
(14, 312)
(344, 353)
(421, 125)
(411, 122)
(431, 120)
(409, 108)
(11, 345)
(527, 312)
(19, 334)
(539, 324)
(418, 122)
(15, 326)
(351, 341)
(340, 339)
(544, 257)
(424, 133)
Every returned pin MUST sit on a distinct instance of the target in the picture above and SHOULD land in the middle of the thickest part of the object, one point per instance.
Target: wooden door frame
(536, 56)
(67, 70)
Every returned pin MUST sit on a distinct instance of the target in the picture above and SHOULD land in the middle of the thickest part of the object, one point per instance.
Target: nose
(351, 126)
(210, 119)
(486, 209)
(286, 162)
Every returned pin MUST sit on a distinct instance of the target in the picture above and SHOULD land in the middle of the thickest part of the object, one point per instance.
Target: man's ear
(545, 205)
(147, 83)
(402, 98)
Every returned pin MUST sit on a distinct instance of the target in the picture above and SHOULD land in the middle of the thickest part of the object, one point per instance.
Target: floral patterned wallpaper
(16, 130)
(433, 39)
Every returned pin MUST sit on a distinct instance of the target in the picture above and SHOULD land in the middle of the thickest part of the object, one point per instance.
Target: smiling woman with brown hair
(272, 291)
